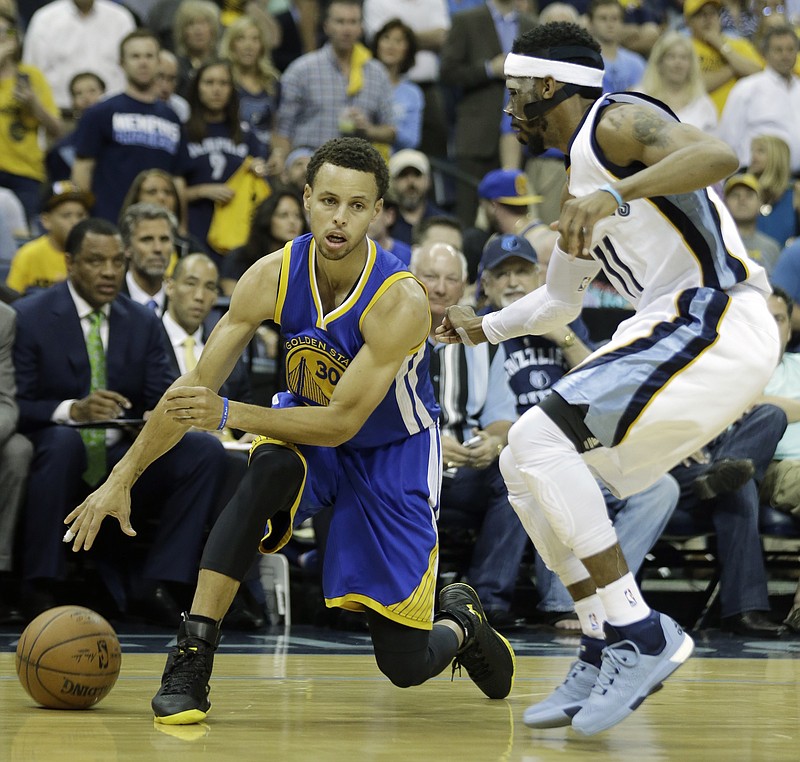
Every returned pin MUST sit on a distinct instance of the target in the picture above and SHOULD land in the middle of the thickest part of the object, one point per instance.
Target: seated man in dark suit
(191, 293)
(85, 353)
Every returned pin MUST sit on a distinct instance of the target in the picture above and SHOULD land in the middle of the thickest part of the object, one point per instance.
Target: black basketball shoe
(182, 698)
(485, 653)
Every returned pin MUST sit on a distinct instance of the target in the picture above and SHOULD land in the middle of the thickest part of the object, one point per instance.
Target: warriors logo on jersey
(313, 369)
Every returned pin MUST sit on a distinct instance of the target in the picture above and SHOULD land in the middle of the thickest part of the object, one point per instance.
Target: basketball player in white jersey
(695, 354)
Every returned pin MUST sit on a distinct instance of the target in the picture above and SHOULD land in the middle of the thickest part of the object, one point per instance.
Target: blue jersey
(534, 364)
(319, 347)
(213, 160)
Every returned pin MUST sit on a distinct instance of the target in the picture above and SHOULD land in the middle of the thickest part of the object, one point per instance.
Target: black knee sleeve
(406, 655)
(270, 485)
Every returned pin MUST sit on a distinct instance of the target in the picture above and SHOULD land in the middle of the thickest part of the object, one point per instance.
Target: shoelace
(623, 654)
(475, 663)
(187, 666)
(577, 666)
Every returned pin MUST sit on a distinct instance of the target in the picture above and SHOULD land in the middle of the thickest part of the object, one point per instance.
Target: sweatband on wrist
(224, 418)
(615, 193)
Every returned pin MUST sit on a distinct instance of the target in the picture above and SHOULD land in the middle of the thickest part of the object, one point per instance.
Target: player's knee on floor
(404, 670)
(406, 655)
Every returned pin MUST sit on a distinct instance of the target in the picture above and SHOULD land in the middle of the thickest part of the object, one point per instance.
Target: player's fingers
(125, 525)
(72, 515)
(115, 397)
(569, 229)
(586, 237)
(87, 533)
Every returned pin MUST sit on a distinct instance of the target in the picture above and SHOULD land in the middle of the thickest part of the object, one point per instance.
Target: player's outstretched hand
(112, 498)
(194, 406)
(578, 217)
(460, 324)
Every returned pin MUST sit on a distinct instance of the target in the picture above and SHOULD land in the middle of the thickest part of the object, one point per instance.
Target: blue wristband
(224, 418)
(608, 189)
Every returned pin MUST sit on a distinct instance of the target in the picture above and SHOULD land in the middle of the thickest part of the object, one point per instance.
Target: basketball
(68, 658)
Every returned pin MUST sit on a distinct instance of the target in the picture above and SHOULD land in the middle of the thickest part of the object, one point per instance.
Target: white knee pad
(556, 556)
(560, 482)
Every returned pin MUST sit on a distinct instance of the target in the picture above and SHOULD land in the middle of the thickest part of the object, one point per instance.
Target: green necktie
(95, 439)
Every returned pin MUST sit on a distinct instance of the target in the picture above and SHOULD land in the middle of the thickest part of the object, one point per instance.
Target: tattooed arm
(676, 158)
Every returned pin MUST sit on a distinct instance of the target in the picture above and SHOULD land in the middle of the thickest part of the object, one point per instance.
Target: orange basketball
(68, 658)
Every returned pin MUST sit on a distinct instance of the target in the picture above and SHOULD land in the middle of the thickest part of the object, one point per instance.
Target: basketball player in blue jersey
(672, 377)
(356, 431)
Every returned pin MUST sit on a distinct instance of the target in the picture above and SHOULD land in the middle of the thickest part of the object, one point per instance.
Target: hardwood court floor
(336, 707)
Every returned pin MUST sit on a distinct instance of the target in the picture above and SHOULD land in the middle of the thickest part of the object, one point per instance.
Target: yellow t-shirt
(711, 60)
(20, 151)
(37, 264)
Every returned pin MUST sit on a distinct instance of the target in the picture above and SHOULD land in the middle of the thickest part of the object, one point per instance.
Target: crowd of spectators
(132, 131)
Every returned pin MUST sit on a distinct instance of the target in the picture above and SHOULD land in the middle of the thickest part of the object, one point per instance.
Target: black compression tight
(273, 479)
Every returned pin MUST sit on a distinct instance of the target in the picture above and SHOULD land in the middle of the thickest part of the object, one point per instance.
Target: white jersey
(663, 245)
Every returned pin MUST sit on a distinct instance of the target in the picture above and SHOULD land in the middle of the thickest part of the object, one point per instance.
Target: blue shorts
(382, 550)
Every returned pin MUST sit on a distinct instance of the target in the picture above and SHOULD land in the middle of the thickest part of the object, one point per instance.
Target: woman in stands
(255, 77)
(217, 144)
(26, 106)
(673, 76)
(769, 162)
(277, 220)
(395, 46)
(158, 187)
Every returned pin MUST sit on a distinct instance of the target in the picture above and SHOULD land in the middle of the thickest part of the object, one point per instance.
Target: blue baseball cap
(507, 186)
(501, 247)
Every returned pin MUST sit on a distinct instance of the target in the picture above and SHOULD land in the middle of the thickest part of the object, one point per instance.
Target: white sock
(623, 601)
(591, 615)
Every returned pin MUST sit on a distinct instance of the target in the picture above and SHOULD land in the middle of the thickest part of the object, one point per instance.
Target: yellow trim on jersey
(283, 283)
(415, 611)
(322, 319)
(275, 545)
(679, 372)
(391, 280)
(312, 282)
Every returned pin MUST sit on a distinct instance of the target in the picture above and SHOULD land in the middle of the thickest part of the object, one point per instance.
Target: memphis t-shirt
(125, 136)
(213, 160)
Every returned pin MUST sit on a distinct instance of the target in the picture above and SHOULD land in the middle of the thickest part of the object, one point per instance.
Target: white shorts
(672, 378)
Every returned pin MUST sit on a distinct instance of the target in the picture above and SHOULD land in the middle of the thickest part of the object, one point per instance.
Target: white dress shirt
(138, 294)
(177, 337)
(762, 104)
(61, 42)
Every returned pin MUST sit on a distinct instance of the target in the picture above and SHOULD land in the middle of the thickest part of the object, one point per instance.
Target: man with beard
(147, 234)
(671, 378)
(135, 130)
(410, 174)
